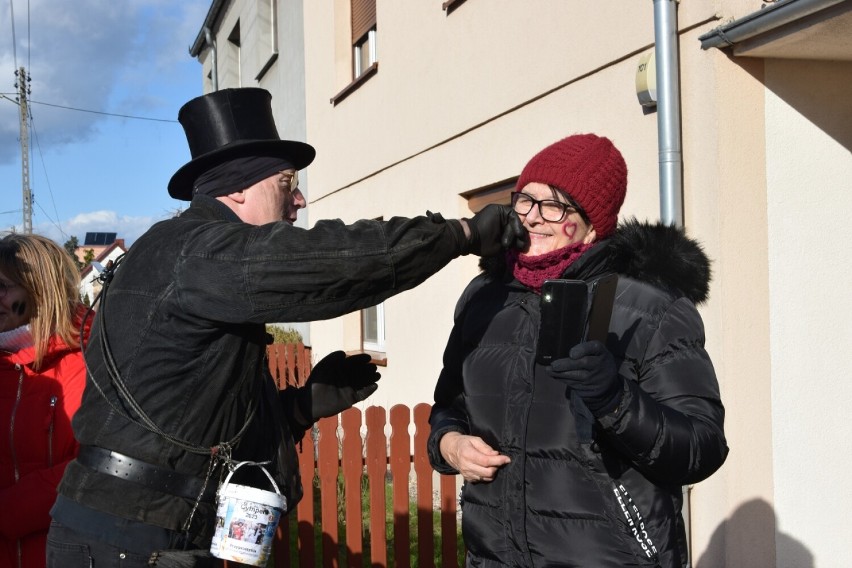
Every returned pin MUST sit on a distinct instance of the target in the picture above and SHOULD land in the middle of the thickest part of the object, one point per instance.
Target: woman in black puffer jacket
(580, 463)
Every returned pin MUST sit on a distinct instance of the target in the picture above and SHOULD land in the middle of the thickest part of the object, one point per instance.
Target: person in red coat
(42, 376)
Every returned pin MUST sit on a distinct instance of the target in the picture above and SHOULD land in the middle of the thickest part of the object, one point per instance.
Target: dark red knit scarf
(532, 271)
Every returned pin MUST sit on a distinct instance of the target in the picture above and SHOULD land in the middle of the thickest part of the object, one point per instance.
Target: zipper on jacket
(53, 400)
(18, 548)
(12, 422)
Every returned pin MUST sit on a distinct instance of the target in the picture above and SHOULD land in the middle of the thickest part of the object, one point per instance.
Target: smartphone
(603, 297)
(573, 311)
(564, 305)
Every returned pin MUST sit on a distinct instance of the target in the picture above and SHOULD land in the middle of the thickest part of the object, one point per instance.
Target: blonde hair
(51, 279)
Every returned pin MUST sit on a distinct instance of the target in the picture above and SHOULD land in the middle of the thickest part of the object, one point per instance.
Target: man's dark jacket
(555, 504)
(185, 323)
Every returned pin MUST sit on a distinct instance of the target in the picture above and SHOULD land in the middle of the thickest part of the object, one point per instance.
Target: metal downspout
(669, 146)
(668, 113)
(214, 75)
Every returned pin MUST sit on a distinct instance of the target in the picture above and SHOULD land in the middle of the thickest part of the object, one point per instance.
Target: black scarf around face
(238, 174)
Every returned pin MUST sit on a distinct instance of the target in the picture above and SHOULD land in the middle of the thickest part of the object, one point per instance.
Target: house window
(364, 52)
(266, 52)
(363, 35)
(232, 69)
(373, 329)
(359, 47)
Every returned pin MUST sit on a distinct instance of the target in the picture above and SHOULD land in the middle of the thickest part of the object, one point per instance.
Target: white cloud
(126, 227)
(72, 55)
(100, 55)
(125, 57)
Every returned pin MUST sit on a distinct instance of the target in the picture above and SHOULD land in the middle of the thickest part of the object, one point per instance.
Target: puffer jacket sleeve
(448, 412)
(670, 423)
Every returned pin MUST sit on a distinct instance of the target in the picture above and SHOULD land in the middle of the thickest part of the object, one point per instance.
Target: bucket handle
(239, 465)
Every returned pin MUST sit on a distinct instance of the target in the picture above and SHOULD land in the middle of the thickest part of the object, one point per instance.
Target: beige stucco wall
(440, 75)
(809, 178)
(725, 203)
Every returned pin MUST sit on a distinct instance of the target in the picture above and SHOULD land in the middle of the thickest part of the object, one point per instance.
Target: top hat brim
(299, 154)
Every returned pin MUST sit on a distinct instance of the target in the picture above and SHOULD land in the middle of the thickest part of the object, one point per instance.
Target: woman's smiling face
(548, 236)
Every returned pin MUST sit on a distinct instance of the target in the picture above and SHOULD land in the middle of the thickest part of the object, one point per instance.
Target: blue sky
(90, 171)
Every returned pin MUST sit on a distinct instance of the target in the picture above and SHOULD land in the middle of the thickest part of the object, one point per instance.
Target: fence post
(353, 473)
(327, 466)
(400, 464)
(423, 471)
(377, 467)
(305, 508)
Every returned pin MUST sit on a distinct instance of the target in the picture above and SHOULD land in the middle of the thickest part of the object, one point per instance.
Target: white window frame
(379, 344)
(370, 43)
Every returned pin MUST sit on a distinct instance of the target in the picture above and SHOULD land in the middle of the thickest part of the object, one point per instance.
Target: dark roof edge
(764, 20)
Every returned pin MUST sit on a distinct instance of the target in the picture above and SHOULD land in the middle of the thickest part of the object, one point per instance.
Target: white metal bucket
(246, 519)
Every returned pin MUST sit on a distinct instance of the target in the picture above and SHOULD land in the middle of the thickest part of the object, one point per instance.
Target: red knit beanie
(590, 170)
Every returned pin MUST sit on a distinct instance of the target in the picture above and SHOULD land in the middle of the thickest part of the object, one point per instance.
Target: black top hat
(228, 124)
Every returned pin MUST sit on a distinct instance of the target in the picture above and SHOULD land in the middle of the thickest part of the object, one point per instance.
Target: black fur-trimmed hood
(661, 255)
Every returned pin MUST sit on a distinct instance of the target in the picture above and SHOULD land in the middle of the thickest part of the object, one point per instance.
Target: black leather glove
(494, 228)
(335, 384)
(589, 371)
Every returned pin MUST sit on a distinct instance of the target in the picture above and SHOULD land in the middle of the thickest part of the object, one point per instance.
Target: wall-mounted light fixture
(646, 80)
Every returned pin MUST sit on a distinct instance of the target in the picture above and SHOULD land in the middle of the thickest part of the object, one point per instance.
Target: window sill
(354, 85)
(451, 5)
(272, 59)
(378, 358)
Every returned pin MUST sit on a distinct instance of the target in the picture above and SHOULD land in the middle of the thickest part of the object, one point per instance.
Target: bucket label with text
(245, 525)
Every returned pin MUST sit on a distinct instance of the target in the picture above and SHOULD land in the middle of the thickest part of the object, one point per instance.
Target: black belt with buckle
(146, 474)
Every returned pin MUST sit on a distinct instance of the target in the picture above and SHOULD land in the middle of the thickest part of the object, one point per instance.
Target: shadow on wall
(753, 523)
(818, 90)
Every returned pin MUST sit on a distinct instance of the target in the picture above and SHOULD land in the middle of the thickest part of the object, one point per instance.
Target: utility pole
(23, 84)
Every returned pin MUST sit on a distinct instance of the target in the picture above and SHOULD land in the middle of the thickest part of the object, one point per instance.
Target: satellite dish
(97, 267)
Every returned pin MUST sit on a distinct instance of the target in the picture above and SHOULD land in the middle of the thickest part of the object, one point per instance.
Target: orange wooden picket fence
(343, 460)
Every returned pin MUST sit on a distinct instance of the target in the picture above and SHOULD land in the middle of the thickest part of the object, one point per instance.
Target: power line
(29, 51)
(52, 222)
(3, 96)
(102, 113)
(14, 41)
(47, 181)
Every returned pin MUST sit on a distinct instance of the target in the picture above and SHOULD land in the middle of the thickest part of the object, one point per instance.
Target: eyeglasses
(4, 287)
(549, 209)
(290, 179)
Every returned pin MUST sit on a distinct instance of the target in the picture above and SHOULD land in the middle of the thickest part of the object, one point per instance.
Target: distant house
(103, 248)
